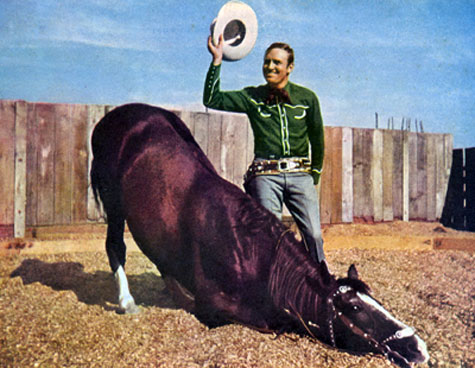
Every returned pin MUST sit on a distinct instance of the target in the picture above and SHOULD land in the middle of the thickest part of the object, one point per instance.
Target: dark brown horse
(224, 256)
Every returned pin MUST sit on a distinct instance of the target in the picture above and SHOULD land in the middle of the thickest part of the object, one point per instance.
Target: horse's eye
(356, 308)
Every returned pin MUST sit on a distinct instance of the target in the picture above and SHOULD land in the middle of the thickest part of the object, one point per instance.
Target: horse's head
(359, 323)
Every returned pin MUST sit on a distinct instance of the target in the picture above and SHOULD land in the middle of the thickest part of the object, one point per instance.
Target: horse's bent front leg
(126, 300)
(181, 296)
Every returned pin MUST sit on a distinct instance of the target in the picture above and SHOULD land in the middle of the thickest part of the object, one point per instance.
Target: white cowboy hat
(237, 22)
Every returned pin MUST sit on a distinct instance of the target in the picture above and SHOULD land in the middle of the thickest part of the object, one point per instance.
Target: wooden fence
(459, 209)
(377, 175)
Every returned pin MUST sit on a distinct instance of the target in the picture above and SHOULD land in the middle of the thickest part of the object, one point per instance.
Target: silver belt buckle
(285, 165)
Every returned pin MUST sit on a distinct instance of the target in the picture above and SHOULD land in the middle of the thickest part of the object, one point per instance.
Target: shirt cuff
(316, 176)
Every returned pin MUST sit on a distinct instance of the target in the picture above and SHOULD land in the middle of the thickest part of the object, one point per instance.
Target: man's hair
(285, 47)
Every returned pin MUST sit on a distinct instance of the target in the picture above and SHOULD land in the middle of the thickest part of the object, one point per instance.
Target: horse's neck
(289, 286)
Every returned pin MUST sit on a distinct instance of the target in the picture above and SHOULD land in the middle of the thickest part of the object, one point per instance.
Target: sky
(402, 59)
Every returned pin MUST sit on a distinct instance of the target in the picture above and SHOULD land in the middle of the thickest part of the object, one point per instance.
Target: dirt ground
(390, 235)
(58, 303)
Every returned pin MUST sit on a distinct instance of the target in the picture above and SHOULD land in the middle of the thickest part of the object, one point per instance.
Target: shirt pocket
(298, 116)
(264, 112)
(298, 113)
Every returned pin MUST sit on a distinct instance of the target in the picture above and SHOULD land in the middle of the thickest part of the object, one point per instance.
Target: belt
(275, 167)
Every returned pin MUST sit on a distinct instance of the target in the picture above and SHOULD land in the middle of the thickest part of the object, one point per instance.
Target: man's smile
(276, 69)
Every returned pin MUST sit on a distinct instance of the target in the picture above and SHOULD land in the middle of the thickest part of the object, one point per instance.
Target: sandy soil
(58, 304)
(390, 235)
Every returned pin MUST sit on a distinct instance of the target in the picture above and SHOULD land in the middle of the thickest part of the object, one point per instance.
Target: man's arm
(317, 140)
(213, 97)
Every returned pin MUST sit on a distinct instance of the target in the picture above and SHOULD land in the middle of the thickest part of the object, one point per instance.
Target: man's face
(276, 69)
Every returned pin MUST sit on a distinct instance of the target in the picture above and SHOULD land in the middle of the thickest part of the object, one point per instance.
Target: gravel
(60, 310)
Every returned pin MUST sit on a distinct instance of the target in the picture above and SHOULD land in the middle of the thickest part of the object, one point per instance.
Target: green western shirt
(280, 129)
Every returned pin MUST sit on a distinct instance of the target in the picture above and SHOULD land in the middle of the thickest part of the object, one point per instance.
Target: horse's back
(129, 131)
(117, 125)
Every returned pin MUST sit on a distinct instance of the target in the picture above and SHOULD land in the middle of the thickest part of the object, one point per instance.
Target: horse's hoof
(129, 307)
(132, 309)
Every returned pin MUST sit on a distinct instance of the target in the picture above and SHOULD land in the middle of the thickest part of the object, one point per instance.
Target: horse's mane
(289, 283)
(257, 219)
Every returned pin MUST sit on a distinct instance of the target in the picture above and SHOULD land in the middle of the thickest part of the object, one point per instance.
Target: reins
(281, 237)
(382, 347)
(301, 320)
(335, 314)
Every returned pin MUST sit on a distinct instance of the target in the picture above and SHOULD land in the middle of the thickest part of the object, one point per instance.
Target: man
(286, 120)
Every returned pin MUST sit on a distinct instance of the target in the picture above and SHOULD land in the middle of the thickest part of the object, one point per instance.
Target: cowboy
(286, 121)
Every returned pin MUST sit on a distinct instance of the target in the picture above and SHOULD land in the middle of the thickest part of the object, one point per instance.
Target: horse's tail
(95, 181)
(102, 174)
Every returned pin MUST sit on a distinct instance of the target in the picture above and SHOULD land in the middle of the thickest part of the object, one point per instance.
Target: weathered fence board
(80, 181)
(214, 144)
(45, 120)
(347, 175)
(63, 163)
(336, 190)
(380, 175)
(405, 177)
(387, 173)
(7, 168)
(377, 175)
(201, 134)
(430, 167)
(240, 146)
(421, 197)
(398, 161)
(31, 160)
(414, 198)
(326, 180)
(363, 182)
(20, 170)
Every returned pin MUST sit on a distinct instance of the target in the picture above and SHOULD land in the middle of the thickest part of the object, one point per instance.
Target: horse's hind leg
(116, 250)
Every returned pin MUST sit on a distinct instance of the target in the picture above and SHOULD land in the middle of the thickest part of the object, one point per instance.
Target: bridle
(337, 314)
(382, 346)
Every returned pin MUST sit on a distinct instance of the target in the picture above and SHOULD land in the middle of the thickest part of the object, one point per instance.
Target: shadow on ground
(96, 288)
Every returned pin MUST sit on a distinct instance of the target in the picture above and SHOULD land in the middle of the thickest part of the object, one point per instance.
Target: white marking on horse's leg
(126, 301)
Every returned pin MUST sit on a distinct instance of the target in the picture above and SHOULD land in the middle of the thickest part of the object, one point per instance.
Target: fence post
(388, 168)
(377, 175)
(405, 176)
(347, 175)
(19, 225)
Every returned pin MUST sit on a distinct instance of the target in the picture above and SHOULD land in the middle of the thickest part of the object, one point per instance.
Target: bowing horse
(223, 256)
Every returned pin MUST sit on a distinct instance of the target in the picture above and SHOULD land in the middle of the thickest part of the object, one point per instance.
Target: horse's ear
(353, 273)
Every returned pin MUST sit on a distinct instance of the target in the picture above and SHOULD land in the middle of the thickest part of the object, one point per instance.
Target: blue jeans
(298, 193)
